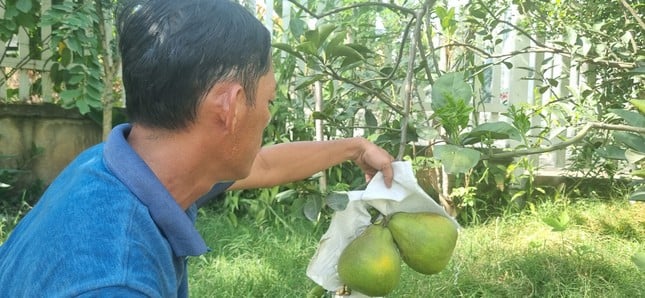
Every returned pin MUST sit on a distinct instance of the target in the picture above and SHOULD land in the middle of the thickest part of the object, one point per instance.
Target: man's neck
(177, 161)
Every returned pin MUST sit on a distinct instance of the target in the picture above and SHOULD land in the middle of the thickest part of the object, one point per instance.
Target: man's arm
(288, 162)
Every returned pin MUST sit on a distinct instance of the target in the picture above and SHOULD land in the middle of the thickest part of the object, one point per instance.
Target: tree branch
(542, 49)
(537, 42)
(577, 138)
(370, 91)
(391, 6)
(435, 62)
(633, 13)
(399, 57)
(109, 69)
(407, 85)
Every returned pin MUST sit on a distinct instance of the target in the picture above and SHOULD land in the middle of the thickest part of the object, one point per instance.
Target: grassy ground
(516, 256)
(519, 256)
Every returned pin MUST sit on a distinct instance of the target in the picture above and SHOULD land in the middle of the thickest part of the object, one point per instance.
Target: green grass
(518, 256)
(252, 261)
(515, 256)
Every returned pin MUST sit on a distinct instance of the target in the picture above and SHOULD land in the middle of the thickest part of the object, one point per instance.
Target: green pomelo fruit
(425, 240)
(371, 264)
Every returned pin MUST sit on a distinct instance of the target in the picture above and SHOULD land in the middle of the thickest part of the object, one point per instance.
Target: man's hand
(373, 159)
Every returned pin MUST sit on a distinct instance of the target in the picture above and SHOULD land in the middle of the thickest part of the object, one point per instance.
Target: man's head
(174, 51)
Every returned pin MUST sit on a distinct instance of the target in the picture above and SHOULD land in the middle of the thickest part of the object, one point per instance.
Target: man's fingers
(388, 174)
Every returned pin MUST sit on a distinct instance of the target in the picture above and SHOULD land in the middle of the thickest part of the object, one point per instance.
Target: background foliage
(410, 76)
(418, 80)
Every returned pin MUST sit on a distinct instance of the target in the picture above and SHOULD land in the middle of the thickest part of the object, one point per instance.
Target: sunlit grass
(252, 261)
(516, 256)
(519, 256)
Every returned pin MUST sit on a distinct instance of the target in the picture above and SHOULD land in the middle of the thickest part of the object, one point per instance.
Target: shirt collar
(177, 225)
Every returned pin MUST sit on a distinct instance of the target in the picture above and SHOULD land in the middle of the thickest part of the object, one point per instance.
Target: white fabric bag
(405, 195)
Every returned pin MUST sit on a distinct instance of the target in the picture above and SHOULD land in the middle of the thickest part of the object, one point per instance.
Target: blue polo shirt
(105, 226)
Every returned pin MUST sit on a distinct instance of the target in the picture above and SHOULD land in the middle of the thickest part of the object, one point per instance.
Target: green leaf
(559, 223)
(639, 104)
(308, 47)
(287, 48)
(26, 20)
(83, 106)
(351, 55)
(324, 31)
(312, 36)
(362, 49)
(370, 119)
(639, 173)
(337, 39)
(24, 5)
(611, 152)
(478, 12)
(571, 34)
(93, 95)
(492, 130)
(77, 21)
(11, 12)
(544, 89)
(66, 7)
(312, 207)
(337, 200)
(631, 140)
(297, 27)
(66, 57)
(306, 81)
(456, 159)
(70, 95)
(427, 133)
(75, 79)
(450, 85)
(630, 117)
(638, 195)
(7, 29)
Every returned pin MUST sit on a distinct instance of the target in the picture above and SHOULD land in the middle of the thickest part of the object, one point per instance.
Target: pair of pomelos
(371, 263)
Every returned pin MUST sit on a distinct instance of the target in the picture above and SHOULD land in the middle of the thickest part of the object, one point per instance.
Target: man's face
(253, 120)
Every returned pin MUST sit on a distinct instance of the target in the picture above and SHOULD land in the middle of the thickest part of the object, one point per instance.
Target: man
(119, 220)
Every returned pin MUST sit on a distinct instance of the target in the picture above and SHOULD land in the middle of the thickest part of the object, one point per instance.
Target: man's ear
(223, 100)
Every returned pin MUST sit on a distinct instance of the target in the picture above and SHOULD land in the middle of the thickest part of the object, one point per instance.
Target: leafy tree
(378, 82)
(83, 66)
(409, 75)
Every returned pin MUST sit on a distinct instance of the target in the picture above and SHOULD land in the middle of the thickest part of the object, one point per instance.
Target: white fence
(519, 85)
(19, 70)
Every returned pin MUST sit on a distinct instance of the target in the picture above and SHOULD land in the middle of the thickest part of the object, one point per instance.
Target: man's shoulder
(104, 241)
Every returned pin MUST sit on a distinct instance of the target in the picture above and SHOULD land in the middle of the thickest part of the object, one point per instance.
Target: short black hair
(174, 51)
